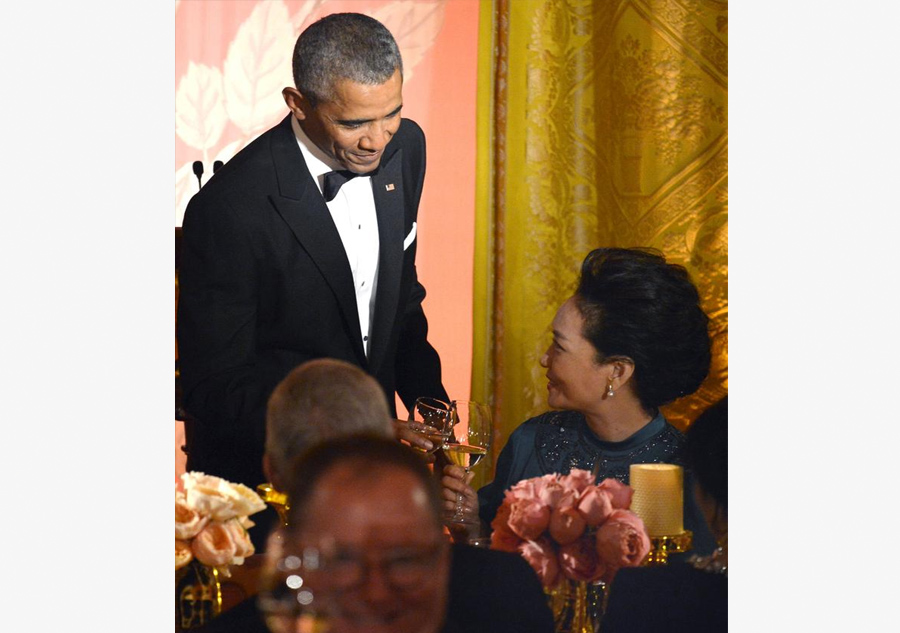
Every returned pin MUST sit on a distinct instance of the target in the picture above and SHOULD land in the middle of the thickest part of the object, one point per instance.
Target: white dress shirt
(353, 213)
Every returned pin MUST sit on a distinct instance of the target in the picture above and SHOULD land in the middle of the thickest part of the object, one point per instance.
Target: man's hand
(416, 440)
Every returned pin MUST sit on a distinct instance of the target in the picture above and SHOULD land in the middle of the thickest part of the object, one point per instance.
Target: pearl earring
(609, 390)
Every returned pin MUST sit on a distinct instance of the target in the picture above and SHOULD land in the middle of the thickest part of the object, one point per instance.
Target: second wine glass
(433, 419)
(470, 442)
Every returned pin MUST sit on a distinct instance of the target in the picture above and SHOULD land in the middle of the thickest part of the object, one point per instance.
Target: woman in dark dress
(631, 339)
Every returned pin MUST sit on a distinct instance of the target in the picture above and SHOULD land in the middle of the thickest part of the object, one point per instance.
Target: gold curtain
(601, 123)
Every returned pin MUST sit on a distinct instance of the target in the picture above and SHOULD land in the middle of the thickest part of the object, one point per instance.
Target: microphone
(216, 166)
(198, 171)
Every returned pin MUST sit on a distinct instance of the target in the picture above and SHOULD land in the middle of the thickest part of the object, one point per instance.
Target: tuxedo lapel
(387, 188)
(304, 210)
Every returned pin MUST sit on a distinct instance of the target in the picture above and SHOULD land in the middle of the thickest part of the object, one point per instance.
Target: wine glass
(288, 597)
(470, 442)
(431, 418)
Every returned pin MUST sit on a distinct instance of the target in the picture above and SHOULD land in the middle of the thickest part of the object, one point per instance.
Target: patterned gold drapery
(601, 123)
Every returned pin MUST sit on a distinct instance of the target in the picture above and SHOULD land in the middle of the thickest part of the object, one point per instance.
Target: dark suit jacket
(265, 286)
(676, 598)
(495, 592)
(490, 592)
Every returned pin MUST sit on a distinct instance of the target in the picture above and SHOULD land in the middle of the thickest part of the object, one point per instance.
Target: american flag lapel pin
(389, 186)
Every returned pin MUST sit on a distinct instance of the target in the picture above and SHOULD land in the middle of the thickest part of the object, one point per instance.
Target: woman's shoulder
(670, 437)
(659, 441)
(564, 419)
(553, 422)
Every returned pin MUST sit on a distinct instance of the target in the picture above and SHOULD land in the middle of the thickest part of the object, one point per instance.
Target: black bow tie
(333, 182)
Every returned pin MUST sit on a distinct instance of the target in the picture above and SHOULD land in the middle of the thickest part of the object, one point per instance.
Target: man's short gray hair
(343, 46)
(320, 400)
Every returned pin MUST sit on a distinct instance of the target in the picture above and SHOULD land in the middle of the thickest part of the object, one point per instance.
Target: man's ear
(296, 102)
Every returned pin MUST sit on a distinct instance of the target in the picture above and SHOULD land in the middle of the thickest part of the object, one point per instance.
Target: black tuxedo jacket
(265, 285)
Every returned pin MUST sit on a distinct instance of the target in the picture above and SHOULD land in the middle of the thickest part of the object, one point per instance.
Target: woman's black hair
(636, 305)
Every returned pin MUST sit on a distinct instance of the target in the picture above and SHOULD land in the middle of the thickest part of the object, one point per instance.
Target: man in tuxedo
(279, 266)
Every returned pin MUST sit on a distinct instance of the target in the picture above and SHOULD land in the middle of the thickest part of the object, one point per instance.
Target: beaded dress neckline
(565, 441)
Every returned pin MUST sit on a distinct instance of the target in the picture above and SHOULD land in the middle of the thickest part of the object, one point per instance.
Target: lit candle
(658, 497)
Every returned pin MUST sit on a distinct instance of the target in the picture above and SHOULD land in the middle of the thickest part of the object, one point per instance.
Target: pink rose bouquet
(211, 521)
(566, 526)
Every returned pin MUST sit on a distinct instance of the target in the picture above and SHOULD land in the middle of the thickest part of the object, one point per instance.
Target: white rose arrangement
(211, 521)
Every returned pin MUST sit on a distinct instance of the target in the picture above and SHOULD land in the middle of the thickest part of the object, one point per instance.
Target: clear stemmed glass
(291, 596)
(470, 442)
(433, 419)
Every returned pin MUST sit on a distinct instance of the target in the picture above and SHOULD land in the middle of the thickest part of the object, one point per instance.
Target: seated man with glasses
(366, 516)
(381, 553)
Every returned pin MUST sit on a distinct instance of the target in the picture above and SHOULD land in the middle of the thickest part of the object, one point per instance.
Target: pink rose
(552, 492)
(525, 490)
(528, 519)
(577, 480)
(549, 478)
(579, 560)
(595, 505)
(183, 553)
(622, 541)
(541, 555)
(243, 546)
(188, 522)
(566, 524)
(518, 490)
(620, 493)
(502, 538)
(219, 498)
(214, 545)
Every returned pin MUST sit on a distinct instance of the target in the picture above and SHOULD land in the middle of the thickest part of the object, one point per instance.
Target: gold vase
(198, 595)
(577, 606)
(662, 546)
(276, 499)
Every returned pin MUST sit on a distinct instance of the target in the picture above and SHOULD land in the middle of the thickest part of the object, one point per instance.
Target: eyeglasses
(313, 586)
(402, 568)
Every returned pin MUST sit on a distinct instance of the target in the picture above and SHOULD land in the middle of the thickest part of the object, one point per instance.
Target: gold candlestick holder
(277, 500)
(662, 546)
